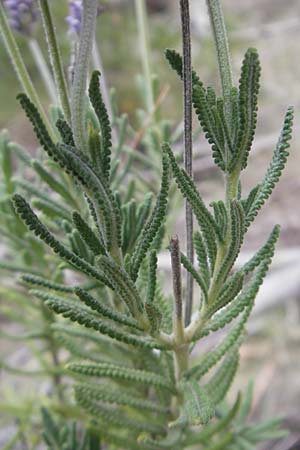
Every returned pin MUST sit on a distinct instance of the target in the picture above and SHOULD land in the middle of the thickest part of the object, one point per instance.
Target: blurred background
(271, 355)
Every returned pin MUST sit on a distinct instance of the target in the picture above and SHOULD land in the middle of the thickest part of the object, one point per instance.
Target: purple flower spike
(22, 15)
(75, 15)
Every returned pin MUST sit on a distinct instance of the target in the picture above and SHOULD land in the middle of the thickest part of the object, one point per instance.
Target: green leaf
(129, 232)
(248, 202)
(40, 281)
(104, 310)
(153, 225)
(175, 61)
(107, 211)
(122, 284)
(211, 125)
(220, 217)
(83, 316)
(65, 132)
(88, 235)
(197, 276)
(202, 258)
(107, 394)
(248, 94)
(228, 292)
(154, 316)
(101, 112)
(151, 286)
(275, 168)
(38, 125)
(122, 373)
(236, 238)
(205, 220)
(34, 224)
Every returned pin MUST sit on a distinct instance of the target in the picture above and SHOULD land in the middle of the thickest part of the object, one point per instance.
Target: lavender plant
(135, 383)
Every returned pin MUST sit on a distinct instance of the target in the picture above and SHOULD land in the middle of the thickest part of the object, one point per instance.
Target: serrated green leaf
(153, 225)
(205, 220)
(88, 235)
(248, 94)
(35, 225)
(101, 112)
(104, 310)
(122, 373)
(275, 168)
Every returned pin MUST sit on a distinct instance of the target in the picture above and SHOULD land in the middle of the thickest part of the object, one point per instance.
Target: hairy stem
(78, 94)
(55, 58)
(19, 66)
(222, 48)
(141, 17)
(43, 69)
(188, 143)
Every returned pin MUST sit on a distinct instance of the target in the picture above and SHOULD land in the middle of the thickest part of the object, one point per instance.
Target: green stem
(222, 48)
(55, 58)
(78, 94)
(141, 17)
(181, 359)
(43, 69)
(20, 68)
(232, 182)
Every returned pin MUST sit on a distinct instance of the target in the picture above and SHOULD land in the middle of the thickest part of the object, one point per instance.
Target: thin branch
(43, 69)
(78, 91)
(188, 143)
(141, 16)
(55, 58)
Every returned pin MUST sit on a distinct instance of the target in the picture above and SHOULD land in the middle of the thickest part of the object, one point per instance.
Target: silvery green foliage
(129, 352)
(116, 308)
